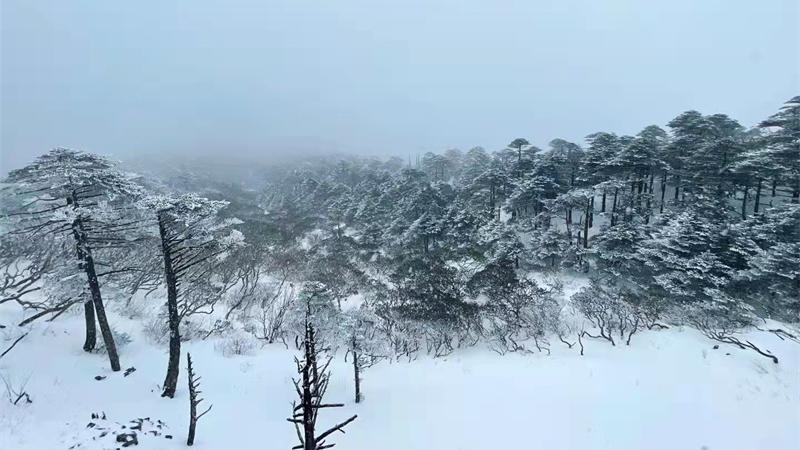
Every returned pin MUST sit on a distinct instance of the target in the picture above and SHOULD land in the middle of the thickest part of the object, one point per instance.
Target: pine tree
(783, 145)
(772, 277)
(64, 194)
(192, 240)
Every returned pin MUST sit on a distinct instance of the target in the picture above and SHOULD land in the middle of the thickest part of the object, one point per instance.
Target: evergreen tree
(783, 145)
(66, 194)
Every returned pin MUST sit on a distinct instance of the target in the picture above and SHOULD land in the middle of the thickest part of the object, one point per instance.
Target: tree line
(697, 224)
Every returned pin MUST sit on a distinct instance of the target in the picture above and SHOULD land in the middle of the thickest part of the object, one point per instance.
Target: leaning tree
(194, 240)
(72, 195)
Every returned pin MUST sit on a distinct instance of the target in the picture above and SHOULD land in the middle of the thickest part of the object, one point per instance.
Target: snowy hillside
(294, 225)
(669, 390)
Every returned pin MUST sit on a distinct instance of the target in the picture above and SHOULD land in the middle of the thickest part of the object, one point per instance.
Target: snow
(669, 390)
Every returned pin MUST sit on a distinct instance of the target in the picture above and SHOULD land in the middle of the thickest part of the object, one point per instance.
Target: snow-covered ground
(669, 390)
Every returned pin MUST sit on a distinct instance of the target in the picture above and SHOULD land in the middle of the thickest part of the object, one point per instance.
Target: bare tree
(311, 388)
(194, 400)
(602, 311)
(521, 312)
(30, 266)
(721, 325)
(22, 269)
(272, 316)
(363, 345)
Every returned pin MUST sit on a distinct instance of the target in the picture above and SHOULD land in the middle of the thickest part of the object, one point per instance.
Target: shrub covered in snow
(236, 344)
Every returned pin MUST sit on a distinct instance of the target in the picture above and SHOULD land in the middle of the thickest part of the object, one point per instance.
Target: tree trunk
(88, 307)
(194, 392)
(100, 310)
(614, 207)
(192, 405)
(758, 197)
(603, 204)
(91, 329)
(491, 200)
(663, 191)
(568, 221)
(87, 262)
(173, 366)
(192, 426)
(591, 213)
(586, 224)
(309, 438)
(356, 372)
(677, 186)
(744, 203)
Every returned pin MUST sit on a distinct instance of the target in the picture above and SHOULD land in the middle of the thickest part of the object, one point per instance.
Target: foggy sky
(276, 77)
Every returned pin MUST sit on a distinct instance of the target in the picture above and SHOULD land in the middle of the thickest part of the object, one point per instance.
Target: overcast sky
(267, 77)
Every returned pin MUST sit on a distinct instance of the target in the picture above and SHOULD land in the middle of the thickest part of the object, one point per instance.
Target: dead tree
(270, 324)
(194, 401)
(311, 388)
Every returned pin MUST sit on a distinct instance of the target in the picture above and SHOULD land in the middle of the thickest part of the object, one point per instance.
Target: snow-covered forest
(623, 292)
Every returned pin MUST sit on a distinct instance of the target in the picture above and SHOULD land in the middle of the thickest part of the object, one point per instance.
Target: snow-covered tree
(783, 145)
(193, 241)
(364, 344)
(71, 195)
(772, 278)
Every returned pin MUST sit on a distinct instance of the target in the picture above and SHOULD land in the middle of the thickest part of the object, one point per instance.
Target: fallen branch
(13, 344)
(781, 333)
(728, 339)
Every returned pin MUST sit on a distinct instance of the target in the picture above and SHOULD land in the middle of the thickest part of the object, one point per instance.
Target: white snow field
(669, 390)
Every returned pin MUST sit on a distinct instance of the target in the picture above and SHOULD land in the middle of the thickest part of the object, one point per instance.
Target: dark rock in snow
(127, 439)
